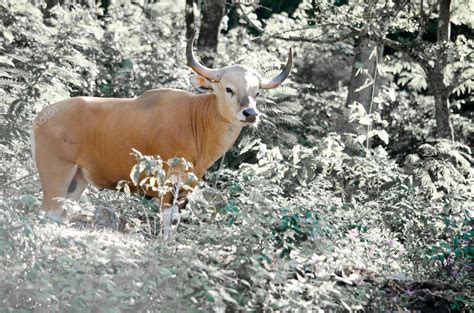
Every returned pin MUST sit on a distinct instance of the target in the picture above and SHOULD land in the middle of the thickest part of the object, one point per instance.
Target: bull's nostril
(246, 113)
(251, 119)
(174, 222)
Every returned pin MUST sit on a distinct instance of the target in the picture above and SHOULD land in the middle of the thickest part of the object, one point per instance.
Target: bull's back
(99, 133)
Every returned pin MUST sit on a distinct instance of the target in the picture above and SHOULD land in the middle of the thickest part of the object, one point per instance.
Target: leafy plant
(442, 168)
(308, 217)
(151, 175)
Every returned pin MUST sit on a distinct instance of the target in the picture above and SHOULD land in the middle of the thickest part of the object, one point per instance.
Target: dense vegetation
(330, 203)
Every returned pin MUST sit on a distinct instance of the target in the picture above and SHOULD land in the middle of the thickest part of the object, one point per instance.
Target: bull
(88, 140)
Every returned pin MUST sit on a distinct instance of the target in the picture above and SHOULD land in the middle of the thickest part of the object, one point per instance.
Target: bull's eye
(258, 94)
(229, 91)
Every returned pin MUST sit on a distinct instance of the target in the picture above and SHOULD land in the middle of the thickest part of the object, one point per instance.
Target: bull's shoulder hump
(157, 96)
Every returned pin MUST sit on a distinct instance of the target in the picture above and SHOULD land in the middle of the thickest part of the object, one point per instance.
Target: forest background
(355, 192)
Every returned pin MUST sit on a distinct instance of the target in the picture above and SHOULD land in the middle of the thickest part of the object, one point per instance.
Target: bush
(304, 214)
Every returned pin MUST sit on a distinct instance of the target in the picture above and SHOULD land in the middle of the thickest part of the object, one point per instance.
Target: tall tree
(364, 72)
(436, 74)
(367, 53)
(189, 18)
(212, 12)
(364, 82)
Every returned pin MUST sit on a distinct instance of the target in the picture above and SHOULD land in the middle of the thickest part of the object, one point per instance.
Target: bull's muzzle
(250, 115)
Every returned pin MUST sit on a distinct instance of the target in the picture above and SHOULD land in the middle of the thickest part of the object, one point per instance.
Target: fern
(442, 168)
(409, 74)
(42, 62)
(11, 83)
(12, 72)
(465, 87)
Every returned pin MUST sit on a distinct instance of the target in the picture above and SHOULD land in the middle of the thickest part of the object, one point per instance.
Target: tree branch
(381, 39)
(408, 50)
(291, 38)
(247, 18)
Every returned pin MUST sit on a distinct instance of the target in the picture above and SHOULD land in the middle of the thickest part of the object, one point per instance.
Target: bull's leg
(77, 186)
(56, 177)
(74, 191)
(171, 212)
(170, 217)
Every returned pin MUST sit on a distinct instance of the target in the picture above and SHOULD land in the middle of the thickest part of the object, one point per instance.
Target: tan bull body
(90, 139)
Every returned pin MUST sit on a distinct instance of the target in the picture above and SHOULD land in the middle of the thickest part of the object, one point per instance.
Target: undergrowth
(301, 215)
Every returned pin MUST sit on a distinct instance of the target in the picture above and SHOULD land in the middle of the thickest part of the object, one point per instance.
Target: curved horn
(277, 80)
(197, 67)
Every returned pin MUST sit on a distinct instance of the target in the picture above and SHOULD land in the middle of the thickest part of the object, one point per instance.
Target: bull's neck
(212, 134)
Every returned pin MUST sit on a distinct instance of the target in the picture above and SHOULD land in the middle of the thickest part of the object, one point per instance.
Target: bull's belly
(106, 166)
(102, 180)
(108, 178)
(111, 180)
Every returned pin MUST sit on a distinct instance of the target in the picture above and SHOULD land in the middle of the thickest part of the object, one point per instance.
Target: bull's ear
(201, 83)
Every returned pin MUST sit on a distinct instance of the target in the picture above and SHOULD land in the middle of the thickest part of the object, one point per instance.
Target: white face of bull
(236, 92)
(236, 87)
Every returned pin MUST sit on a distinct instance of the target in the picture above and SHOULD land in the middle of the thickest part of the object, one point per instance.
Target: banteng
(85, 140)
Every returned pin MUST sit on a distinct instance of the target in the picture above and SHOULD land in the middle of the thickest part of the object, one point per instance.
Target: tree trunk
(366, 65)
(444, 22)
(364, 70)
(189, 11)
(212, 14)
(444, 129)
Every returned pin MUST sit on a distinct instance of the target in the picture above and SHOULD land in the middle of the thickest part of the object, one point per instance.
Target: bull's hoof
(58, 216)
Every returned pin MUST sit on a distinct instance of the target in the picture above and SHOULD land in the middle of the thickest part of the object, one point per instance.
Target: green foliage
(229, 253)
(316, 219)
(154, 177)
(442, 168)
(434, 232)
(294, 229)
(409, 74)
(44, 63)
(134, 57)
